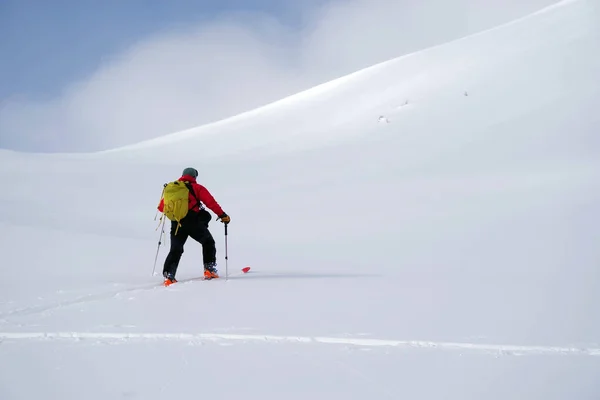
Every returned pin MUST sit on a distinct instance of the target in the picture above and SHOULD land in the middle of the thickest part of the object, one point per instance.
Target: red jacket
(203, 195)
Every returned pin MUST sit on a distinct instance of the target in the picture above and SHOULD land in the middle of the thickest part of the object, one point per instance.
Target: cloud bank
(194, 75)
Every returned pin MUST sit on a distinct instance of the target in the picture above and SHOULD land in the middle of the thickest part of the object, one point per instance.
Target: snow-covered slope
(510, 71)
(404, 257)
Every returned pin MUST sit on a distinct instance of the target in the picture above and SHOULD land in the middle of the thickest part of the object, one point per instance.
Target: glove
(224, 218)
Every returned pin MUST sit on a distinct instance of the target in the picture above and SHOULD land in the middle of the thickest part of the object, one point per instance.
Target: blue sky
(47, 44)
(82, 75)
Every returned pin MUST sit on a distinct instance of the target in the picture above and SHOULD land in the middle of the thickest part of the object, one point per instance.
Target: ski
(243, 271)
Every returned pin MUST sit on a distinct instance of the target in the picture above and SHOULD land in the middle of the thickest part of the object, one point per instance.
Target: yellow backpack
(176, 200)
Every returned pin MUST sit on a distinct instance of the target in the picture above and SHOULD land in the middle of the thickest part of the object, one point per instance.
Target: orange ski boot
(169, 280)
(210, 272)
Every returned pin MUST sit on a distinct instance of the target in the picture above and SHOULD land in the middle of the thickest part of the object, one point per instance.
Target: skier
(194, 225)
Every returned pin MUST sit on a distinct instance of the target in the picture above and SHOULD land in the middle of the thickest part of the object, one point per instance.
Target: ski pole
(159, 243)
(226, 256)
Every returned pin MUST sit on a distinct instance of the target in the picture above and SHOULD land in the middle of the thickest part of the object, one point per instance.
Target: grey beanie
(190, 171)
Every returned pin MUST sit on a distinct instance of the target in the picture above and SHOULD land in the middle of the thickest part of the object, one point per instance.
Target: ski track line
(95, 297)
(88, 298)
(115, 337)
(79, 300)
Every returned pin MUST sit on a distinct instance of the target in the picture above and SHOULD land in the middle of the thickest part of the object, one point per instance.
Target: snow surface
(452, 253)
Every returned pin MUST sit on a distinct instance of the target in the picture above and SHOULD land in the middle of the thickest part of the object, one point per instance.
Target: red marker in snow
(245, 269)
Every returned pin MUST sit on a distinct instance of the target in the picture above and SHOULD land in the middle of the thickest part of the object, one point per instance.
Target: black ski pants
(196, 227)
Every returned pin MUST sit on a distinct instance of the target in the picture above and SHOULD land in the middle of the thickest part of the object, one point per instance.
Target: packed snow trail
(224, 338)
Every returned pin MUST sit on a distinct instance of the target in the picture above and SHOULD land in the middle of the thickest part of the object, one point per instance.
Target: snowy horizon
(200, 70)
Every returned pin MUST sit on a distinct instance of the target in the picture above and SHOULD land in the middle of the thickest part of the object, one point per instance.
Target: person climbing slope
(182, 202)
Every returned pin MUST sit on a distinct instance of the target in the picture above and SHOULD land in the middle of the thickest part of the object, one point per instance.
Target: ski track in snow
(88, 298)
(79, 300)
(115, 337)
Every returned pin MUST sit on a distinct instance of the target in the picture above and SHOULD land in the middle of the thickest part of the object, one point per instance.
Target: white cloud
(187, 77)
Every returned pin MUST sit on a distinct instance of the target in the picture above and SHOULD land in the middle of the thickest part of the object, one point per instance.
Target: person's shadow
(300, 275)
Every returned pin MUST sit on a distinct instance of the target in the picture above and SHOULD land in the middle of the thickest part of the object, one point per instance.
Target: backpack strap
(191, 189)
